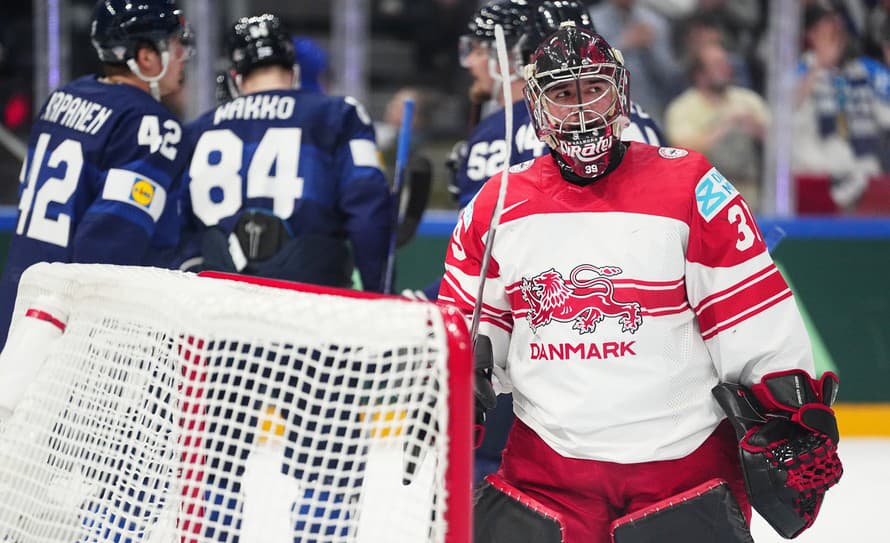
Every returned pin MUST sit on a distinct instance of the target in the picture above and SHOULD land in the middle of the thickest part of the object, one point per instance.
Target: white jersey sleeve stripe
(741, 317)
(726, 293)
(364, 153)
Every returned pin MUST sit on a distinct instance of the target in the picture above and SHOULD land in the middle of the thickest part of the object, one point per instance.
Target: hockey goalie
(631, 306)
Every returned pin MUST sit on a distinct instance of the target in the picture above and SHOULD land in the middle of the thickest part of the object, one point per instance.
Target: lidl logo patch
(712, 194)
(142, 192)
(136, 190)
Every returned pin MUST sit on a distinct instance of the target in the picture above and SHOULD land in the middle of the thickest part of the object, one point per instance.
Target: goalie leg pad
(707, 513)
(504, 514)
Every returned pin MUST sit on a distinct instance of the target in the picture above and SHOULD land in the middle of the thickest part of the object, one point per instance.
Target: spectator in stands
(724, 122)
(644, 38)
(700, 30)
(837, 120)
(739, 20)
(388, 129)
(284, 183)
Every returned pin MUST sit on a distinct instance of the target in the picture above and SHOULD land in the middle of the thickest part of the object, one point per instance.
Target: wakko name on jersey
(256, 107)
(75, 112)
(582, 351)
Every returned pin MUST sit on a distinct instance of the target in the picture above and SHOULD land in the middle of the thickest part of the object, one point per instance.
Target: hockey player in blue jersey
(283, 182)
(104, 155)
(525, 24)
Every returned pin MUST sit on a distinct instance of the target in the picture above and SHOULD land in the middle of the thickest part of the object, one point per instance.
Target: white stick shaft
(504, 64)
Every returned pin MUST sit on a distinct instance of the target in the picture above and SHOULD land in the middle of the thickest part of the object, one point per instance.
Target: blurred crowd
(698, 67)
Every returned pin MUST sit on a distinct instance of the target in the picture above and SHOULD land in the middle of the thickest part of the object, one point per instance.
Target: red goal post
(221, 408)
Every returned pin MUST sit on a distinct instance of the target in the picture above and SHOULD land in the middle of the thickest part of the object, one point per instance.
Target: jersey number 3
(740, 215)
(216, 182)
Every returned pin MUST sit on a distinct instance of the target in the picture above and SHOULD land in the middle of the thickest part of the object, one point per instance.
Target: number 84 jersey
(98, 183)
(309, 159)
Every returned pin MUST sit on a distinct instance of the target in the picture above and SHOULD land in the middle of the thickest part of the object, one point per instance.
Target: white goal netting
(184, 408)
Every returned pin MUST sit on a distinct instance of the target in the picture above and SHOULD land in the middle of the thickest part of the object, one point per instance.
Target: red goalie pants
(590, 494)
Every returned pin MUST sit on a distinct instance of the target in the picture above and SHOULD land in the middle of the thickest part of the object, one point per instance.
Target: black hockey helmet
(514, 16)
(577, 93)
(119, 27)
(260, 41)
(548, 15)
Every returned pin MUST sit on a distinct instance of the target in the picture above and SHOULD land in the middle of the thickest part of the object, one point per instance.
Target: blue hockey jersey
(487, 148)
(98, 183)
(308, 158)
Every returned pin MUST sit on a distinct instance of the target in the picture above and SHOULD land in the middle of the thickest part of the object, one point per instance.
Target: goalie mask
(577, 93)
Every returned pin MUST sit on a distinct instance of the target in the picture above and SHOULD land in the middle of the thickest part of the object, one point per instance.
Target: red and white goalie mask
(577, 93)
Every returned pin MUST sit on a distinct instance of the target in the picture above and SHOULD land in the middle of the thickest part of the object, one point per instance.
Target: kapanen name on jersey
(75, 113)
(256, 107)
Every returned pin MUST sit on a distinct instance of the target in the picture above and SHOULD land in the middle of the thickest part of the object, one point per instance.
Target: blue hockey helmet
(259, 41)
(120, 27)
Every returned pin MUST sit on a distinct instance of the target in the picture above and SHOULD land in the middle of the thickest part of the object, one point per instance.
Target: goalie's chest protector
(607, 356)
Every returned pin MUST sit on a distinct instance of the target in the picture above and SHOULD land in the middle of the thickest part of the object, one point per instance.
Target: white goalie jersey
(615, 308)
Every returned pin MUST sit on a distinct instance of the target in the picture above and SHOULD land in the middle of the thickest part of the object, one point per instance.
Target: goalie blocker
(787, 443)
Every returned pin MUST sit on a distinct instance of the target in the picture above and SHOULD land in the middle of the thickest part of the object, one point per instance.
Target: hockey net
(179, 408)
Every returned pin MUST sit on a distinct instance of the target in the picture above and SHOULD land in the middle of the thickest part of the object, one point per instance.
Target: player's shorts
(590, 494)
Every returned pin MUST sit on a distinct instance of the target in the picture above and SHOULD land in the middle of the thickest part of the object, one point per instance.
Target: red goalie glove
(788, 444)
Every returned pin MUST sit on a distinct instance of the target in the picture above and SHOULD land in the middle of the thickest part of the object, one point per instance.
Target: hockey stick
(13, 144)
(404, 146)
(501, 45)
(415, 197)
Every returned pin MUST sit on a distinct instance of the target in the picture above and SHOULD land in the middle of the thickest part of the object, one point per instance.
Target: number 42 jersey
(97, 185)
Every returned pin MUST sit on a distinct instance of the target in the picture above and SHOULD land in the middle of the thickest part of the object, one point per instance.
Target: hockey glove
(788, 444)
(484, 397)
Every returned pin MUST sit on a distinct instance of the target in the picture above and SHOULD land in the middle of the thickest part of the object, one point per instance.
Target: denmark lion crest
(584, 302)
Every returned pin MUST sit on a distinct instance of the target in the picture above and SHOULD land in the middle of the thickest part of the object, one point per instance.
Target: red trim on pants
(590, 494)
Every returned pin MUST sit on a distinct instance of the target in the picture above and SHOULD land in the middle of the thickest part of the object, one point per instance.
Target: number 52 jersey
(97, 185)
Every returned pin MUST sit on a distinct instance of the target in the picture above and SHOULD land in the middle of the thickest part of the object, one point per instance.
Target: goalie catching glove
(788, 444)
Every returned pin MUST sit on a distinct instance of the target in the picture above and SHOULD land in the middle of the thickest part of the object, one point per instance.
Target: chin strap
(616, 152)
(152, 81)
